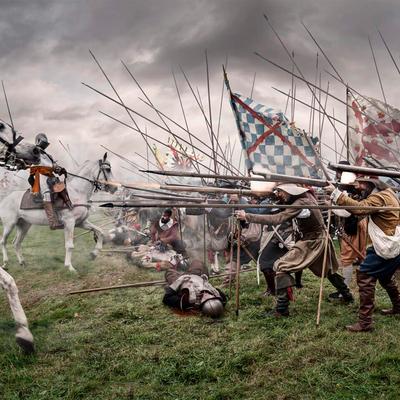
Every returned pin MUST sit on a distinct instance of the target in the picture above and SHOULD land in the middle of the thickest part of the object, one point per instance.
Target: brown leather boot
(366, 286)
(269, 275)
(391, 288)
(54, 223)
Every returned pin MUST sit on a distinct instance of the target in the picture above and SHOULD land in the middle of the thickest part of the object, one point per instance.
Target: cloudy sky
(45, 56)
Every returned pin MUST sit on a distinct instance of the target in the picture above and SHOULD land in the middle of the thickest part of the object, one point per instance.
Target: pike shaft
(142, 284)
(265, 177)
(245, 206)
(365, 170)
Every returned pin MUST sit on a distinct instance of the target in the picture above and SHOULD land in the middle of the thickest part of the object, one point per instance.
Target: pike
(127, 160)
(153, 138)
(377, 164)
(325, 92)
(210, 113)
(378, 73)
(170, 198)
(299, 71)
(158, 113)
(364, 170)
(184, 118)
(350, 89)
(120, 99)
(265, 177)
(245, 206)
(221, 99)
(179, 188)
(142, 284)
(340, 79)
(390, 53)
(152, 122)
(68, 152)
(148, 177)
(15, 140)
(212, 135)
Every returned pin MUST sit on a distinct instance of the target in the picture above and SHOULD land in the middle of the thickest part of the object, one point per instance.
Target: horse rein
(98, 185)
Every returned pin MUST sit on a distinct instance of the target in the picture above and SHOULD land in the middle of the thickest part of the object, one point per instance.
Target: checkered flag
(270, 142)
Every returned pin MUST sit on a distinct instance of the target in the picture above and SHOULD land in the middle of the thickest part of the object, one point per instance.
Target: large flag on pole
(270, 142)
(373, 131)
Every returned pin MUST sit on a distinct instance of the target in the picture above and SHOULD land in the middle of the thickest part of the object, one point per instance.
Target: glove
(59, 170)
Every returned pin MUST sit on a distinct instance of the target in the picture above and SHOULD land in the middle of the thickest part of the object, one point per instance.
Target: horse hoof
(22, 264)
(71, 269)
(5, 266)
(24, 340)
(93, 255)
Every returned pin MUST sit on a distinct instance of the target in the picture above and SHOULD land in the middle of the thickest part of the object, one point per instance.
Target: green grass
(126, 345)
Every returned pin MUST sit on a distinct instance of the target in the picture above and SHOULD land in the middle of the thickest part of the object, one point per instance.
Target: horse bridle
(103, 167)
(97, 183)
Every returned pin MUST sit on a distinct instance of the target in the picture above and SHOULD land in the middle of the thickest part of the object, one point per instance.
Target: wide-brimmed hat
(292, 189)
(262, 187)
(348, 178)
(374, 180)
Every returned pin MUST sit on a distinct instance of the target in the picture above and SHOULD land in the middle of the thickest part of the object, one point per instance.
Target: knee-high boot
(282, 303)
(54, 223)
(391, 288)
(269, 275)
(283, 284)
(338, 282)
(297, 276)
(366, 286)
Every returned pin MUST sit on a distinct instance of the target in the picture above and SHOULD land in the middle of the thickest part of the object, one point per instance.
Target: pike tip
(107, 205)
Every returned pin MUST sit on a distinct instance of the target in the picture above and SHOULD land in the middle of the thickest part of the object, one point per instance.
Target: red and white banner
(374, 131)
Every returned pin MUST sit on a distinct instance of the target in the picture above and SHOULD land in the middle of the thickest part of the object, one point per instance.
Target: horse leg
(23, 336)
(7, 229)
(100, 235)
(69, 226)
(22, 230)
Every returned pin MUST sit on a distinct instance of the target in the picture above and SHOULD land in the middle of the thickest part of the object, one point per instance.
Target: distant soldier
(42, 179)
(165, 233)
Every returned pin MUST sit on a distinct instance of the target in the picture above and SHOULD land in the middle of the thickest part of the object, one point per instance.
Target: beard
(364, 193)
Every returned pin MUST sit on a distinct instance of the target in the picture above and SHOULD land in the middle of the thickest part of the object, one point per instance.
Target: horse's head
(105, 175)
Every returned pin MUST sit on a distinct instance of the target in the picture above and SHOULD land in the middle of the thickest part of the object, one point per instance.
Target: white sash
(385, 246)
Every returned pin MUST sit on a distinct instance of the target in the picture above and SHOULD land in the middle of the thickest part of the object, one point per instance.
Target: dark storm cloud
(44, 57)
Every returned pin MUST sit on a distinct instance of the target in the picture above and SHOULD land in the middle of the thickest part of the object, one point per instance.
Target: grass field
(126, 345)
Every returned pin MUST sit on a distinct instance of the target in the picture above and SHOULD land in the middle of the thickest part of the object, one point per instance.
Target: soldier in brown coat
(308, 251)
(383, 251)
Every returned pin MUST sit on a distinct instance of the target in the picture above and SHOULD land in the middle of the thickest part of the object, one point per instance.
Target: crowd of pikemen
(285, 241)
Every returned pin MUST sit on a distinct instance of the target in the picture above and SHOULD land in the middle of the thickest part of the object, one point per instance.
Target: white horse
(80, 190)
(23, 336)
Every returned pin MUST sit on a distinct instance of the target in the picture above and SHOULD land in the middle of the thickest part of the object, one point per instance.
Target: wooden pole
(237, 270)
(141, 284)
(245, 206)
(321, 286)
(233, 233)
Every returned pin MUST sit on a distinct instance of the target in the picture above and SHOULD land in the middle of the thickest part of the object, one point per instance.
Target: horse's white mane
(84, 168)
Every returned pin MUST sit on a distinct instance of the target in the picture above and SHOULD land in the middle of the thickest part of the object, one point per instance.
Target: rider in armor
(42, 179)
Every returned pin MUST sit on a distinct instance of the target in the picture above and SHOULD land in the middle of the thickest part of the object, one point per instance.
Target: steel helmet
(41, 141)
(212, 306)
